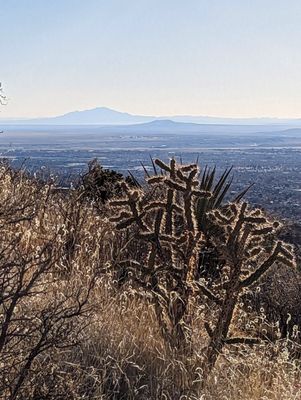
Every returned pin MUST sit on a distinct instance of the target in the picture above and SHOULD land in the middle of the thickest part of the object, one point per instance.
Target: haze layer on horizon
(225, 58)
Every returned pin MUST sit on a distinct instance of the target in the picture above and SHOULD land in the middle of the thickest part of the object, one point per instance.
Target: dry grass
(87, 338)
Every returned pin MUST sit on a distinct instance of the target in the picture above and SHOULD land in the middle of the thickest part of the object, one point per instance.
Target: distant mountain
(167, 124)
(234, 121)
(96, 116)
(159, 126)
(107, 116)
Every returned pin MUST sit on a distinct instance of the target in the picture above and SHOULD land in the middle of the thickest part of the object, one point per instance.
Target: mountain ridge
(109, 116)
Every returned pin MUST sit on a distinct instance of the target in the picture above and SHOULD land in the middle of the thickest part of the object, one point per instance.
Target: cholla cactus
(247, 243)
(165, 218)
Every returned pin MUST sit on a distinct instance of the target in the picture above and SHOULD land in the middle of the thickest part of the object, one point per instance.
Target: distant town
(271, 161)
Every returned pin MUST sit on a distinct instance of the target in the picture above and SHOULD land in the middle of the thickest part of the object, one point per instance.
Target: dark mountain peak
(162, 122)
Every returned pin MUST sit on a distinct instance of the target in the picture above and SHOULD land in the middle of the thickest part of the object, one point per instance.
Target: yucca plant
(219, 189)
(209, 260)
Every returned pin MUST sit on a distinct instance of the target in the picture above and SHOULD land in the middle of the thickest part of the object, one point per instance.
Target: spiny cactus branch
(208, 329)
(211, 296)
(242, 340)
(263, 267)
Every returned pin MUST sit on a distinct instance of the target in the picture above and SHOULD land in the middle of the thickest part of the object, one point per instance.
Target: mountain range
(107, 116)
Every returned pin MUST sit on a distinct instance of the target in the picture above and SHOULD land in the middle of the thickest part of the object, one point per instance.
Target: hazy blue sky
(209, 57)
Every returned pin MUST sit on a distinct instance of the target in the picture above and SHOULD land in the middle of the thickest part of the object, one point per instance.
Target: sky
(230, 58)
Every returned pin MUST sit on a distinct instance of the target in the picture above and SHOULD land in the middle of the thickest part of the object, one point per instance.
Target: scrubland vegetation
(113, 290)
